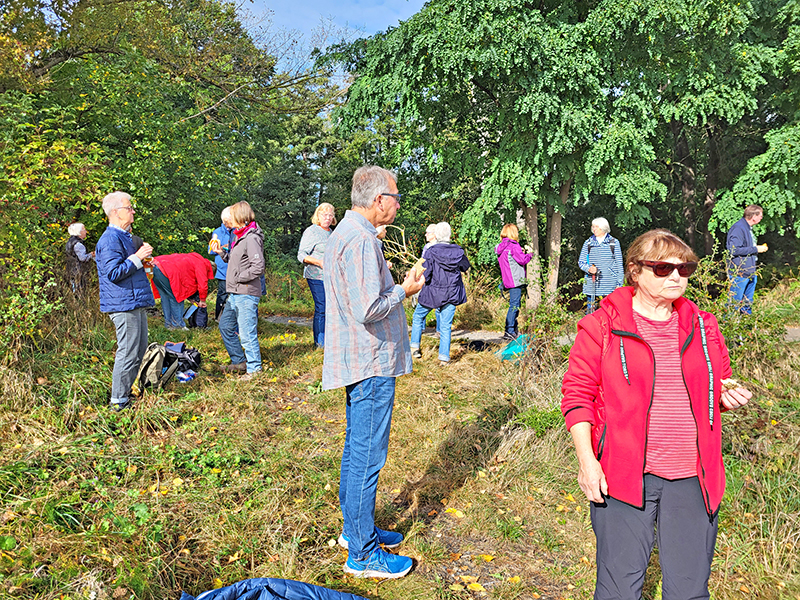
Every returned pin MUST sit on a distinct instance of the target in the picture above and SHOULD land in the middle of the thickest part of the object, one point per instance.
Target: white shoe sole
(376, 574)
(343, 543)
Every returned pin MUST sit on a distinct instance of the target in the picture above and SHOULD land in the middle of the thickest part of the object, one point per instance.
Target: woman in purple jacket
(512, 268)
(443, 290)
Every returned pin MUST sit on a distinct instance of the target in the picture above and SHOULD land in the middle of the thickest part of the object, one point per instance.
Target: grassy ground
(215, 481)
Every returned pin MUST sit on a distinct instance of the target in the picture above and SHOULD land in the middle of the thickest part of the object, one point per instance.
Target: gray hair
(369, 182)
(114, 200)
(602, 223)
(225, 215)
(75, 229)
(442, 231)
(430, 229)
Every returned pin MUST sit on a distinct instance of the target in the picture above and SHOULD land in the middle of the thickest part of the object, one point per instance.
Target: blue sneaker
(387, 539)
(379, 564)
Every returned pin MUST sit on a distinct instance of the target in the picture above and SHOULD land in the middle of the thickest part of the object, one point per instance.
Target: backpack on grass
(151, 371)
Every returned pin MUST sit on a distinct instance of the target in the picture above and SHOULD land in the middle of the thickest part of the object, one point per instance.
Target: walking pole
(594, 294)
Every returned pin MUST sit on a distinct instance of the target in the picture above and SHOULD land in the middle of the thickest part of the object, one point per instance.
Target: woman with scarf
(243, 284)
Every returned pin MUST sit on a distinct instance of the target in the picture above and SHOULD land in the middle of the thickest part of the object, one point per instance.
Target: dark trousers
(222, 297)
(318, 293)
(675, 516)
(514, 302)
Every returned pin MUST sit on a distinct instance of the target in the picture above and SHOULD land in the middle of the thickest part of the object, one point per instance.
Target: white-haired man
(78, 258)
(124, 293)
(366, 349)
(219, 244)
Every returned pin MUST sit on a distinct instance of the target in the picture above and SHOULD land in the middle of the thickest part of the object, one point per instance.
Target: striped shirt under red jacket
(671, 432)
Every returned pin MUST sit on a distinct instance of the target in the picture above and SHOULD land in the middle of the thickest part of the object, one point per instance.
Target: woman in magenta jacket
(643, 398)
(512, 262)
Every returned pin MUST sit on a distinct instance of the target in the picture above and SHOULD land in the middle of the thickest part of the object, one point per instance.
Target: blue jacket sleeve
(739, 242)
(115, 264)
(583, 257)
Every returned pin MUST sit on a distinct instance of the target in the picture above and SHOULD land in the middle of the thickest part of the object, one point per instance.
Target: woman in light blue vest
(312, 254)
(601, 260)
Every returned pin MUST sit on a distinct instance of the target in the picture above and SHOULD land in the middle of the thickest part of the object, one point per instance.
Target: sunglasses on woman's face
(665, 269)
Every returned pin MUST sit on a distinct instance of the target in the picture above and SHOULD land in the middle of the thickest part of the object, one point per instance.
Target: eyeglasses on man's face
(395, 196)
(128, 208)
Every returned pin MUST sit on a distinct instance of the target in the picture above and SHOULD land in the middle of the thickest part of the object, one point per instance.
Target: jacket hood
(504, 244)
(446, 253)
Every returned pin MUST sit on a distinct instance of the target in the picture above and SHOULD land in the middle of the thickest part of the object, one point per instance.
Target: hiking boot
(387, 539)
(508, 335)
(249, 376)
(120, 406)
(416, 353)
(234, 368)
(379, 564)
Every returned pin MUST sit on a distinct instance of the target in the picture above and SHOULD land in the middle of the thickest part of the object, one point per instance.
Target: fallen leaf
(570, 497)
(131, 469)
(217, 583)
(233, 557)
(456, 587)
(584, 560)
(514, 579)
(120, 592)
(177, 482)
(454, 511)
(535, 596)
(486, 557)
(570, 586)
(476, 587)
(433, 513)
(331, 543)
(744, 589)
(455, 556)
(468, 578)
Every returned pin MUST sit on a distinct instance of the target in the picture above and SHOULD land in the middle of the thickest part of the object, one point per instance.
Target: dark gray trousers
(675, 516)
(131, 329)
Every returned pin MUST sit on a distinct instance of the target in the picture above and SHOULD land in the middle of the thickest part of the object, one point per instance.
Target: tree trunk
(712, 184)
(684, 158)
(533, 272)
(553, 245)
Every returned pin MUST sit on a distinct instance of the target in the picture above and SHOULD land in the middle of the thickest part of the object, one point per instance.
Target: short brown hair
(752, 210)
(510, 231)
(324, 207)
(242, 214)
(656, 244)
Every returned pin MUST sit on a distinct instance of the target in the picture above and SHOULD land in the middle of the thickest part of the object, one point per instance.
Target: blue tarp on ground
(514, 349)
(265, 588)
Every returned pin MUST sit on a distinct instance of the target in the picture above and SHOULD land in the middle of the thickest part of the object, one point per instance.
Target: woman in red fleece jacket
(176, 277)
(642, 398)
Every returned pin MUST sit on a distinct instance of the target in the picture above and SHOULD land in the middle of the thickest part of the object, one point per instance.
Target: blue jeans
(742, 290)
(444, 325)
(318, 293)
(131, 329)
(172, 309)
(366, 444)
(240, 309)
(515, 301)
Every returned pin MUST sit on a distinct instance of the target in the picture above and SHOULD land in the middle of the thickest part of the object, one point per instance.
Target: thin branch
(213, 106)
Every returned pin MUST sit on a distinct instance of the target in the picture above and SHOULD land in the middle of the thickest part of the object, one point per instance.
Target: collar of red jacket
(619, 307)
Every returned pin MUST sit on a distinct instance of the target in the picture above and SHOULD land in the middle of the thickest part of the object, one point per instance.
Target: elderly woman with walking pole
(601, 260)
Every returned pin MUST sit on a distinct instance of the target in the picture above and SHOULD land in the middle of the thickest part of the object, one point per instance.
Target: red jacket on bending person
(187, 274)
(609, 384)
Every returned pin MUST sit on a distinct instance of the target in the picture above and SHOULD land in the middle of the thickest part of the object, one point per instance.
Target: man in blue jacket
(124, 293)
(744, 250)
(221, 239)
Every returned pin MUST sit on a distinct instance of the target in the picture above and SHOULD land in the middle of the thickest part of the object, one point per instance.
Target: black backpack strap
(167, 375)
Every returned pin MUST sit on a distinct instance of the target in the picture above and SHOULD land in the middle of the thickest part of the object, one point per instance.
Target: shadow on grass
(469, 448)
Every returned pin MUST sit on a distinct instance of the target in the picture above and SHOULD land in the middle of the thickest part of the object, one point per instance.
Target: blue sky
(371, 16)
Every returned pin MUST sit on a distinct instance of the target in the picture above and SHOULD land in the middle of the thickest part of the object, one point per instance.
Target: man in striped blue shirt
(366, 348)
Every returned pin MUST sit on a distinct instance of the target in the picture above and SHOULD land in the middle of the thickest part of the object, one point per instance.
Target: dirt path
(481, 336)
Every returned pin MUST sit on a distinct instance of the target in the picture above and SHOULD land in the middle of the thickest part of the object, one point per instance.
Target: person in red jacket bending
(176, 277)
(642, 398)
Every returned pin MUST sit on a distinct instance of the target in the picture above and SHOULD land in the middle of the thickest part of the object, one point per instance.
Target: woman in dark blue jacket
(443, 290)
